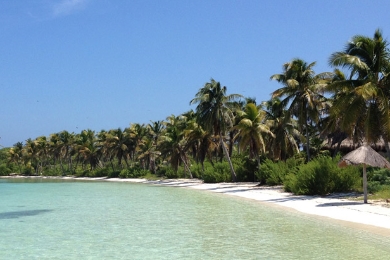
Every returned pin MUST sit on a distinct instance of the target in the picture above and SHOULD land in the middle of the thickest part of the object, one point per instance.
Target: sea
(68, 219)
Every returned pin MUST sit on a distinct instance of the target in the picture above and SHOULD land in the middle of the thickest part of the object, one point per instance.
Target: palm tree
(301, 91)
(365, 94)
(214, 114)
(15, 155)
(136, 133)
(174, 144)
(201, 141)
(285, 129)
(88, 149)
(55, 150)
(252, 128)
(66, 146)
(148, 153)
(156, 129)
(117, 142)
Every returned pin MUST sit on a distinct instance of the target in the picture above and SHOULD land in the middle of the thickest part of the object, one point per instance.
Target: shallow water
(58, 219)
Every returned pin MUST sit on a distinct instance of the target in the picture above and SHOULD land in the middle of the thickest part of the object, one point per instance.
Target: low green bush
(133, 172)
(274, 173)
(245, 168)
(219, 173)
(101, 172)
(379, 175)
(4, 170)
(322, 176)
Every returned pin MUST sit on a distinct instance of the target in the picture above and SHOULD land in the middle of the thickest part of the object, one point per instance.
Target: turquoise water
(42, 219)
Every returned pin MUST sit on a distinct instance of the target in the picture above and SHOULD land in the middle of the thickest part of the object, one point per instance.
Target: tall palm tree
(66, 146)
(252, 129)
(285, 129)
(136, 133)
(88, 149)
(202, 142)
(214, 114)
(362, 103)
(302, 92)
(55, 150)
(117, 142)
(15, 155)
(173, 143)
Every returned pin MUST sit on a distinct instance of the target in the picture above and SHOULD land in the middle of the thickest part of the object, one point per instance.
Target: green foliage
(113, 174)
(374, 186)
(219, 173)
(381, 191)
(52, 172)
(322, 176)
(133, 172)
(245, 168)
(100, 172)
(196, 170)
(4, 170)
(168, 172)
(378, 180)
(28, 170)
(274, 173)
(379, 175)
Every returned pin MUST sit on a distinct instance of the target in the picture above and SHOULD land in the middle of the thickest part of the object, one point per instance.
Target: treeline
(228, 137)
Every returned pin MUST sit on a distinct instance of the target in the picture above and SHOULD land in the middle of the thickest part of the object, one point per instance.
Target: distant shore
(337, 206)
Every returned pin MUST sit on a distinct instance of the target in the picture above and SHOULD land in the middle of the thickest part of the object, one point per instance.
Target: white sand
(337, 206)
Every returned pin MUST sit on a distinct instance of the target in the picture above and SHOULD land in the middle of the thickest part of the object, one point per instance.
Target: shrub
(133, 172)
(274, 173)
(322, 176)
(4, 170)
(100, 172)
(379, 175)
(245, 168)
(219, 173)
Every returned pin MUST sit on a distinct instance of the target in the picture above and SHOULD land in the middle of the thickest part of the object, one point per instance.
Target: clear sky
(103, 64)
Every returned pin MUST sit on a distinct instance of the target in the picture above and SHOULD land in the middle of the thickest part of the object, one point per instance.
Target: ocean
(67, 219)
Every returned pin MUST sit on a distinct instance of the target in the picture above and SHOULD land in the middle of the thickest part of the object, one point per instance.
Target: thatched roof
(348, 145)
(364, 155)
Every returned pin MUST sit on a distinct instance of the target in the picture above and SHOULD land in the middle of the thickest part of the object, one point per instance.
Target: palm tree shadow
(22, 213)
(340, 203)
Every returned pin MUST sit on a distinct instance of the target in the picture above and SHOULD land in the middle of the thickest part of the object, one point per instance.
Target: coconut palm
(173, 143)
(148, 153)
(117, 142)
(66, 146)
(15, 155)
(251, 131)
(201, 141)
(285, 129)
(88, 149)
(365, 94)
(214, 113)
(136, 133)
(302, 92)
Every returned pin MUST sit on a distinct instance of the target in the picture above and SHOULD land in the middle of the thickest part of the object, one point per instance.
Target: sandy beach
(341, 207)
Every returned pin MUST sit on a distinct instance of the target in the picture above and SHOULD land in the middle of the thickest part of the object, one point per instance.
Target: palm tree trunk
(307, 142)
(234, 176)
(186, 166)
(387, 146)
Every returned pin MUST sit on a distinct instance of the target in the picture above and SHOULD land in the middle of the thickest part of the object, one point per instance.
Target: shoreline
(336, 206)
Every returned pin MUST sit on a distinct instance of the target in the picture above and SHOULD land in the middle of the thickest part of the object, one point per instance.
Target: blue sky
(103, 64)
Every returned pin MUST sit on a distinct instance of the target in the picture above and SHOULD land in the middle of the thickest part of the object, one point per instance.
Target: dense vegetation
(233, 138)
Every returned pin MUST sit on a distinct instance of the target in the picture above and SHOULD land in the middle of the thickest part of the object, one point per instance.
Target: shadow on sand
(340, 203)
